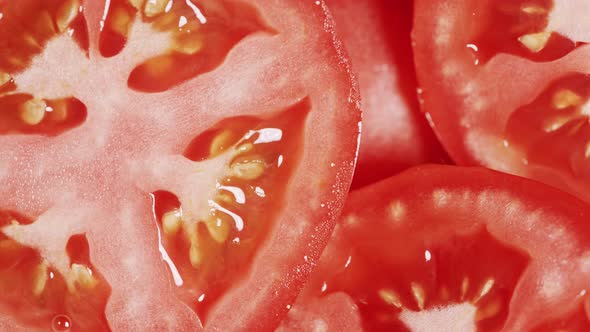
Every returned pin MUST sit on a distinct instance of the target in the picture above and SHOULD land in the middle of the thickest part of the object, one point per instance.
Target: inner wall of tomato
(206, 245)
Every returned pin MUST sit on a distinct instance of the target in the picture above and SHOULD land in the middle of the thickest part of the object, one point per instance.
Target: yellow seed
(32, 112)
(155, 7)
(44, 24)
(172, 222)
(248, 168)
(166, 22)
(66, 14)
(244, 148)
(464, 287)
(534, 10)
(40, 279)
(82, 275)
(4, 78)
(566, 98)
(489, 310)
(31, 40)
(587, 151)
(225, 198)
(419, 294)
(535, 42)
(137, 4)
(218, 228)
(397, 210)
(390, 297)
(195, 255)
(120, 21)
(220, 143)
(189, 44)
(485, 289)
(556, 123)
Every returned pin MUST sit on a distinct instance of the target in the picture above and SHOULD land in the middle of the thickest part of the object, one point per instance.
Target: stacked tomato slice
(180, 165)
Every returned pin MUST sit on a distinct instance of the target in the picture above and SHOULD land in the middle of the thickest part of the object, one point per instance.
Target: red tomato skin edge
(426, 178)
(281, 293)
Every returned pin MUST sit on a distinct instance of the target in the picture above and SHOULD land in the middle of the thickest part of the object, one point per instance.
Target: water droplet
(61, 323)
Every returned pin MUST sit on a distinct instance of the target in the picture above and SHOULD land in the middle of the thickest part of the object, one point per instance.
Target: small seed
(464, 287)
(40, 279)
(32, 112)
(587, 151)
(419, 294)
(195, 255)
(30, 40)
(220, 143)
(566, 98)
(120, 21)
(172, 222)
(137, 4)
(189, 44)
(4, 78)
(534, 10)
(218, 227)
(485, 289)
(44, 24)
(248, 168)
(535, 42)
(244, 148)
(155, 7)
(66, 14)
(390, 297)
(83, 276)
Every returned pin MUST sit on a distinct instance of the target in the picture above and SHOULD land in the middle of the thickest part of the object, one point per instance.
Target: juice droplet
(61, 323)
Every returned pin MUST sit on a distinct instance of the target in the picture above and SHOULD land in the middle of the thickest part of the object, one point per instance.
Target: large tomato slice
(167, 165)
(443, 248)
(395, 134)
(506, 85)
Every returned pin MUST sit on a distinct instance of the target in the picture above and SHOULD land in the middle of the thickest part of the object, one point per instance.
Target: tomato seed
(66, 14)
(566, 98)
(172, 222)
(155, 7)
(390, 297)
(32, 112)
(419, 294)
(535, 42)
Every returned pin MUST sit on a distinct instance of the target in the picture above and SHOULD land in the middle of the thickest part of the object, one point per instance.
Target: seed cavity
(32, 111)
(535, 42)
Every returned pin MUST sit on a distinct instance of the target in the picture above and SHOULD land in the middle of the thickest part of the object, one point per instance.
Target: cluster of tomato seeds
(554, 129)
(35, 292)
(519, 28)
(211, 251)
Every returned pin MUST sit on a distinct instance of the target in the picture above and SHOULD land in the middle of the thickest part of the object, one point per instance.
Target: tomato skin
(395, 133)
(384, 223)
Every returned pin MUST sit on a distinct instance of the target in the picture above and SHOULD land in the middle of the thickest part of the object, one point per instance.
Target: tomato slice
(446, 248)
(395, 134)
(153, 156)
(505, 84)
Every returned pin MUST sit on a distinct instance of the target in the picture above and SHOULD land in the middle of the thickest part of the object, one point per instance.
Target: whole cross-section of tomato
(395, 134)
(445, 248)
(506, 85)
(167, 165)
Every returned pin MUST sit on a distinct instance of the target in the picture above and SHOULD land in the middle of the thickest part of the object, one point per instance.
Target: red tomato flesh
(152, 158)
(455, 249)
(395, 134)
